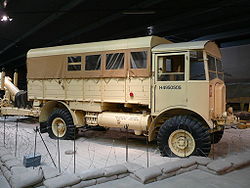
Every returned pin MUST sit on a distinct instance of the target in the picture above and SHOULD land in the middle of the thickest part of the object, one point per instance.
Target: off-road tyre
(65, 115)
(43, 127)
(216, 136)
(199, 132)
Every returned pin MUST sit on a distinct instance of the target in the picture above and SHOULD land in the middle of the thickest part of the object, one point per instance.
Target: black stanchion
(4, 131)
(213, 141)
(36, 129)
(58, 152)
(126, 127)
(47, 149)
(74, 142)
(147, 149)
(16, 137)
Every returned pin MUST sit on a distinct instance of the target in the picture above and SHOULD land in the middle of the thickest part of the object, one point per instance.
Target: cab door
(169, 81)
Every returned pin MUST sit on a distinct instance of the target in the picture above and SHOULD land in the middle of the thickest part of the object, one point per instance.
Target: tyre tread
(192, 125)
(66, 116)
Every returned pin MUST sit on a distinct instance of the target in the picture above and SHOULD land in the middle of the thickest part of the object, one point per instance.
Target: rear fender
(50, 106)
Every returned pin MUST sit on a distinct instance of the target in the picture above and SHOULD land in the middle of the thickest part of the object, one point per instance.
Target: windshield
(215, 68)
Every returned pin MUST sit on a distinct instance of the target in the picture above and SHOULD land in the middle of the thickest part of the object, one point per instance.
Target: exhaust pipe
(2, 79)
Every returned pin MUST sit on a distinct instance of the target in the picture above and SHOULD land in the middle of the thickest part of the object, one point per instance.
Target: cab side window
(215, 68)
(212, 67)
(171, 68)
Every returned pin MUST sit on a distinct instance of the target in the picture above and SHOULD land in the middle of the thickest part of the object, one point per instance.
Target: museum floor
(101, 149)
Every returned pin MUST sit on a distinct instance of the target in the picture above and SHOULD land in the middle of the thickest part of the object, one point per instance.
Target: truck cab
(188, 84)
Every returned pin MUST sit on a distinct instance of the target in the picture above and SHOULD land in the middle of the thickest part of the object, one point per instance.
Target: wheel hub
(59, 127)
(181, 143)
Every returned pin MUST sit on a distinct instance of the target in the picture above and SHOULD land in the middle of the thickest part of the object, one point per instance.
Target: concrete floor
(97, 149)
(3, 181)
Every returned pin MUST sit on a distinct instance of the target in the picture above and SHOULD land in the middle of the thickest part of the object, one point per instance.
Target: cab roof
(206, 45)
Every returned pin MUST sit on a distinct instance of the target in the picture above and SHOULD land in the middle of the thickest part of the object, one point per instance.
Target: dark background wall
(236, 61)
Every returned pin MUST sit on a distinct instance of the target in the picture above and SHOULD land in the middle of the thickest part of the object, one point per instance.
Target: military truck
(171, 92)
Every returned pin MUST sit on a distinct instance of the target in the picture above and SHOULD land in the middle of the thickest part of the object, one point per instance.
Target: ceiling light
(5, 3)
(6, 18)
(150, 30)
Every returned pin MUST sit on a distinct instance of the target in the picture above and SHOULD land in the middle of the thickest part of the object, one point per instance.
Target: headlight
(224, 115)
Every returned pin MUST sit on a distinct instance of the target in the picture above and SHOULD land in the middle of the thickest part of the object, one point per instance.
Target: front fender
(172, 111)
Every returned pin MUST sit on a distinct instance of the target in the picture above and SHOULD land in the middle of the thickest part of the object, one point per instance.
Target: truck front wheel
(216, 136)
(183, 136)
(60, 125)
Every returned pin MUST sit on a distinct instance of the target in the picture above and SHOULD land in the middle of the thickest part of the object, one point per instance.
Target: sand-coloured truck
(171, 92)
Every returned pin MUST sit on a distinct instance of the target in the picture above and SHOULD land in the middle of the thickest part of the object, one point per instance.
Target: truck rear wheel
(183, 136)
(60, 125)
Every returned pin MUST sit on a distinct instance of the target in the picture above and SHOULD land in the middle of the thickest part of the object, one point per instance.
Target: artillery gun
(14, 102)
